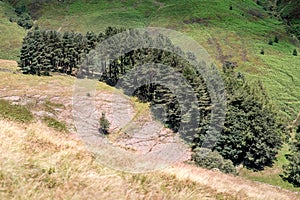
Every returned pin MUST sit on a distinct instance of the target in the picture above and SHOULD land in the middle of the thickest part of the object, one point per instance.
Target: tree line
(252, 133)
(46, 51)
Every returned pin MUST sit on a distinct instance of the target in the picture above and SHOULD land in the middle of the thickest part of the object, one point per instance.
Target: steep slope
(288, 10)
(11, 34)
(38, 162)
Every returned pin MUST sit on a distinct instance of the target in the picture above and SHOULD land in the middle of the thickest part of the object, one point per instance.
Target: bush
(291, 171)
(104, 124)
(295, 53)
(270, 42)
(276, 39)
(262, 51)
(11, 19)
(15, 112)
(25, 21)
(212, 159)
(20, 10)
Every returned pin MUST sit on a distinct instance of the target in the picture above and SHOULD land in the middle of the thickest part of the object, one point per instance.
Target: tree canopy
(251, 134)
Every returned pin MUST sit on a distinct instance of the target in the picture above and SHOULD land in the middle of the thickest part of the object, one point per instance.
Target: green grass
(272, 175)
(11, 34)
(55, 124)
(15, 112)
(244, 30)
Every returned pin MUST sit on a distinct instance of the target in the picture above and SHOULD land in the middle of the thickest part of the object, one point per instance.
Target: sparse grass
(51, 107)
(245, 29)
(17, 84)
(17, 113)
(55, 124)
(39, 163)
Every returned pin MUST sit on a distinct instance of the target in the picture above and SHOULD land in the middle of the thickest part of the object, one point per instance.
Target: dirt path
(145, 135)
(237, 186)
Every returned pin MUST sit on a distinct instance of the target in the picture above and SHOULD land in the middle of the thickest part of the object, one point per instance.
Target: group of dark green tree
(23, 18)
(49, 51)
(252, 133)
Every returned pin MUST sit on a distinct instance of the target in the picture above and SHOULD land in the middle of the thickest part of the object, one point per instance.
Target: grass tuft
(55, 124)
(17, 113)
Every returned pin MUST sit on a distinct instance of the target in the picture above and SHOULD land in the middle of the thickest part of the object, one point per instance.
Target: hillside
(11, 34)
(40, 162)
(237, 35)
(59, 166)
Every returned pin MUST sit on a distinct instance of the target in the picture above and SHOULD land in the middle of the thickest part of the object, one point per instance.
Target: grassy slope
(38, 162)
(237, 35)
(11, 34)
(271, 174)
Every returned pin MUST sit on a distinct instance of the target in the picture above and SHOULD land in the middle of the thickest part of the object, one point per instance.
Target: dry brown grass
(237, 186)
(39, 163)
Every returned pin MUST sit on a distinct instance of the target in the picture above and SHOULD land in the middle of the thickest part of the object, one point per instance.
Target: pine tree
(91, 40)
(270, 42)
(276, 39)
(251, 135)
(291, 171)
(104, 123)
(295, 53)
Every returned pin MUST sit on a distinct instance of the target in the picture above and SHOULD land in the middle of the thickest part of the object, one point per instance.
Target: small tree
(270, 42)
(212, 159)
(295, 53)
(262, 52)
(291, 171)
(276, 39)
(230, 7)
(104, 124)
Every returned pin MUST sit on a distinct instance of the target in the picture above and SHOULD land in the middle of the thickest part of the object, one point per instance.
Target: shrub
(262, 52)
(25, 21)
(270, 42)
(11, 19)
(276, 39)
(291, 171)
(212, 159)
(295, 53)
(104, 124)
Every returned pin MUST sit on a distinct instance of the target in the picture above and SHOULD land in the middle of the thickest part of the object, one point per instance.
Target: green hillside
(10, 33)
(237, 35)
(232, 30)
